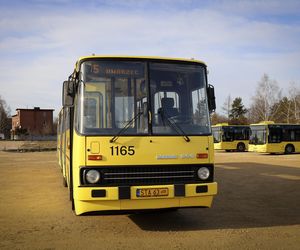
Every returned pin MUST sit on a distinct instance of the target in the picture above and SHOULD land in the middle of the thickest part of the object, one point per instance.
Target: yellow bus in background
(134, 134)
(269, 137)
(231, 137)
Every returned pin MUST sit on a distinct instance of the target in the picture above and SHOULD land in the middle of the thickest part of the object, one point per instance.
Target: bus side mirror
(211, 98)
(68, 93)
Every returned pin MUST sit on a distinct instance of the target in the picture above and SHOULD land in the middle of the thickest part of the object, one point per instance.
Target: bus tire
(72, 199)
(241, 147)
(65, 184)
(73, 205)
(289, 149)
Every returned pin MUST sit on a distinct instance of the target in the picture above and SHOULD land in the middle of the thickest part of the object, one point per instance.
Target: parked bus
(231, 137)
(135, 134)
(269, 137)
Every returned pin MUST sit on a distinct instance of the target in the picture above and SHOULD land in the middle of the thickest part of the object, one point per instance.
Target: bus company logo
(164, 157)
(187, 156)
(181, 156)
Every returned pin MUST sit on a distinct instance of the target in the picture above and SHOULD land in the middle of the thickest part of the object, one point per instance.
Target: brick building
(32, 122)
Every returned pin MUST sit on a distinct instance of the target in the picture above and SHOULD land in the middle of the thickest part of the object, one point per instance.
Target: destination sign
(114, 69)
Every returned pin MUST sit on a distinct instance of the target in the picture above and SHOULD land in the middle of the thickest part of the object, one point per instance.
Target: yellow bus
(231, 137)
(269, 137)
(135, 134)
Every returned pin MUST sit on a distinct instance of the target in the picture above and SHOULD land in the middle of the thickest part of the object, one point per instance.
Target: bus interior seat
(167, 107)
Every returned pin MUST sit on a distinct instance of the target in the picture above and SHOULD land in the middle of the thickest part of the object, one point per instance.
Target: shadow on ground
(250, 195)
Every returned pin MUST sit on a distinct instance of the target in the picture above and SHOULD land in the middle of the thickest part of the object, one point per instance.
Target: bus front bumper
(88, 199)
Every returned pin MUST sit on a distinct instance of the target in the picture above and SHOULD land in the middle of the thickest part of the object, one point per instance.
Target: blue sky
(239, 40)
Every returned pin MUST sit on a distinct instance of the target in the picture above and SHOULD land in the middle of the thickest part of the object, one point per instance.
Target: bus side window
(93, 113)
(297, 135)
(90, 113)
(275, 135)
(292, 135)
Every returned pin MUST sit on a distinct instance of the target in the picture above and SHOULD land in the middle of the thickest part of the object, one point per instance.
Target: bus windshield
(257, 135)
(217, 133)
(146, 97)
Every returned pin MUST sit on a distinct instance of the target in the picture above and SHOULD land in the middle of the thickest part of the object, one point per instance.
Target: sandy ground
(258, 207)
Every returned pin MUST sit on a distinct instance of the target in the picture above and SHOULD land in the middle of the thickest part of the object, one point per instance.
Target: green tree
(237, 112)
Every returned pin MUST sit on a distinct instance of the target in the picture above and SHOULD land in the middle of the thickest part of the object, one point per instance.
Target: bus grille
(148, 175)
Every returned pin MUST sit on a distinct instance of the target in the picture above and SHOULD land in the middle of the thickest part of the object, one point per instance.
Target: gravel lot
(258, 207)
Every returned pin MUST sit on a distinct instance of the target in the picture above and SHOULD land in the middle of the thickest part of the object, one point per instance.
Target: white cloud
(39, 49)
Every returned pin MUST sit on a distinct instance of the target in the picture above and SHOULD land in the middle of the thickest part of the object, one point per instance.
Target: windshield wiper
(175, 126)
(125, 127)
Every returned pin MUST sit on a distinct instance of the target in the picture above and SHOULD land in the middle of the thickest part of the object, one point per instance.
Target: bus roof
(262, 123)
(135, 57)
(225, 124)
(271, 123)
(221, 124)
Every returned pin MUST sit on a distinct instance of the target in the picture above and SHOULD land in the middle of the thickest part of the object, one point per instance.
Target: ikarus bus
(135, 134)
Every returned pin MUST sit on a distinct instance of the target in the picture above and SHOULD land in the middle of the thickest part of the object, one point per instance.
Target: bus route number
(123, 150)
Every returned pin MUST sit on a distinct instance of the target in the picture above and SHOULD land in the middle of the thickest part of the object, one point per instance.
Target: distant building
(32, 122)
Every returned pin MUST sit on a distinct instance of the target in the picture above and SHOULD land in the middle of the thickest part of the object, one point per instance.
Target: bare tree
(227, 107)
(294, 96)
(267, 94)
(5, 122)
(284, 112)
(217, 118)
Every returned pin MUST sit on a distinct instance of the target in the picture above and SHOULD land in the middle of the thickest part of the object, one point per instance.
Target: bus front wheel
(289, 149)
(241, 147)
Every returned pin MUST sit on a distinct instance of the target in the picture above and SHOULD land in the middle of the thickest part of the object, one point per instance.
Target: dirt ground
(258, 207)
(8, 145)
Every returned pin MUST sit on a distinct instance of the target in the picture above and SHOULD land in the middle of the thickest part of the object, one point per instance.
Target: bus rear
(140, 135)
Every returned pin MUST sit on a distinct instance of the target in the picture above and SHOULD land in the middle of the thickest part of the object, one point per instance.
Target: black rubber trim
(201, 189)
(124, 193)
(179, 190)
(98, 193)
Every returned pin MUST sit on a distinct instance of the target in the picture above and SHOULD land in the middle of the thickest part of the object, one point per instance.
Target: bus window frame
(259, 128)
(203, 87)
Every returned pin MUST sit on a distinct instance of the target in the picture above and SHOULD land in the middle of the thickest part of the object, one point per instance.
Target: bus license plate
(152, 192)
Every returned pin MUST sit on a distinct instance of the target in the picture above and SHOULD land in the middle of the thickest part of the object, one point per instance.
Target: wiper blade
(178, 129)
(175, 126)
(128, 124)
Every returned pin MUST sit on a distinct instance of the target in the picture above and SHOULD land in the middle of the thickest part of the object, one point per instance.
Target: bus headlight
(203, 173)
(92, 176)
